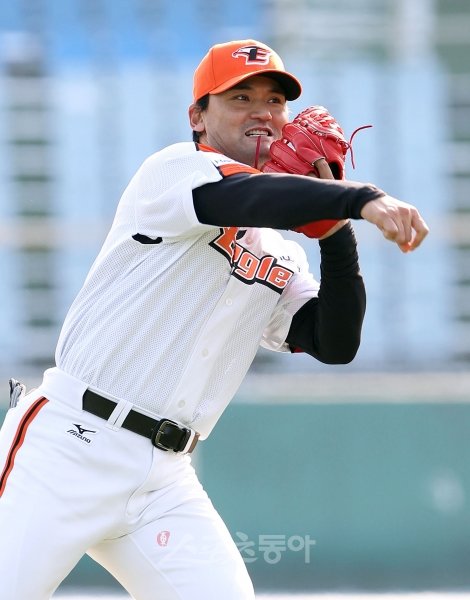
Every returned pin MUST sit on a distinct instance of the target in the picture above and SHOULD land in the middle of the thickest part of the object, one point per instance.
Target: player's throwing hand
(398, 221)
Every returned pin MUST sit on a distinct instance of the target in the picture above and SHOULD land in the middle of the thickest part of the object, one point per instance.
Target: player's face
(235, 119)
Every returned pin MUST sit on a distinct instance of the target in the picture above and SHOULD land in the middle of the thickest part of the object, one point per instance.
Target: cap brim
(289, 83)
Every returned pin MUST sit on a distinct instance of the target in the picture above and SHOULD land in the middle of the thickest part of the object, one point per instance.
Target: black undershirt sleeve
(327, 327)
(279, 201)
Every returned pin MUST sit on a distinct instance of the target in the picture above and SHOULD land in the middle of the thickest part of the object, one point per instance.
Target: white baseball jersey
(173, 326)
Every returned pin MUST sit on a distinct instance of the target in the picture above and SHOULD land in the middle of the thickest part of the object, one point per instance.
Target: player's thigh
(37, 546)
(32, 565)
(187, 554)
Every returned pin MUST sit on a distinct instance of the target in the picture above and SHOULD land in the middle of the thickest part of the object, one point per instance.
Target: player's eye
(277, 100)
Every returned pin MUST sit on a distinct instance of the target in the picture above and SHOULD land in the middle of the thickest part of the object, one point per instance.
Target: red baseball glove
(312, 135)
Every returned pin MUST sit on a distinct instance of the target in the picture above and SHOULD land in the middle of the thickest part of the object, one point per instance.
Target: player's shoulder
(177, 161)
(171, 152)
(195, 155)
(187, 151)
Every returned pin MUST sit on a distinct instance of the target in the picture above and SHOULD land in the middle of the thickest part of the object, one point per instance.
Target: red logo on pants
(163, 538)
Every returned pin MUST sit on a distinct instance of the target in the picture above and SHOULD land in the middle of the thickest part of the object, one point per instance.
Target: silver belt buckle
(160, 431)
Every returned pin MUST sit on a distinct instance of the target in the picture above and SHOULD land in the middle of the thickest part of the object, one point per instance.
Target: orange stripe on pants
(19, 439)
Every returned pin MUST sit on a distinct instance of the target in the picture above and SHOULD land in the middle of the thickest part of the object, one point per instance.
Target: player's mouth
(259, 132)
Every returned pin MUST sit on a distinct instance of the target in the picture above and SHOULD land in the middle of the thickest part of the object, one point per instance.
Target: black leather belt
(165, 434)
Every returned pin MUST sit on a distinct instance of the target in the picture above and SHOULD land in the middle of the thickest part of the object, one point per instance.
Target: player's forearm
(279, 201)
(329, 327)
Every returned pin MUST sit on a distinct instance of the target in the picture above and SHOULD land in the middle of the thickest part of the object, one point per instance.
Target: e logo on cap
(253, 55)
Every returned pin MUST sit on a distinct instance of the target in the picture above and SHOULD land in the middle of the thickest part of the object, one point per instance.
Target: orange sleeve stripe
(19, 439)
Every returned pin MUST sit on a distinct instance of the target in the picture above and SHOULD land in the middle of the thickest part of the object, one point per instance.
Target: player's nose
(261, 111)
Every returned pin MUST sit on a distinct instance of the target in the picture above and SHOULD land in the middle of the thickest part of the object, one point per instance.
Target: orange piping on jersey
(230, 168)
(19, 439)
(205, 148)
(234, 168)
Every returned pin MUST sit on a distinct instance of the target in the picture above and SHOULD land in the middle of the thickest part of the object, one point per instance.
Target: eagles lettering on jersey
(246, 266)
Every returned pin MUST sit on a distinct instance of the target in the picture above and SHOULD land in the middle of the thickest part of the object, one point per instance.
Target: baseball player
(191, 279)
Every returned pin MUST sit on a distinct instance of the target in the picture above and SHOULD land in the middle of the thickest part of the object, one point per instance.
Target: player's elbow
(341, 359)
(340, 354)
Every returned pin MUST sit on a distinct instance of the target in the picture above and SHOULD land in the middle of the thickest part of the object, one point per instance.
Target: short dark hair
(202, 103)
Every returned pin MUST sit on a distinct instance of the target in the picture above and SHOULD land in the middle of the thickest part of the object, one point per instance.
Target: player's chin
(261, 151)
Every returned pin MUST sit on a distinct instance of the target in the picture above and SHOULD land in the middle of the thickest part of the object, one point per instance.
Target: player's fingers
(399, 222)
(389, 228)
(421, 230)
(404, 234)
(407, 228)
(396, 227)
(323, 169)
(402, 230)
(414, 229)
(411, 231)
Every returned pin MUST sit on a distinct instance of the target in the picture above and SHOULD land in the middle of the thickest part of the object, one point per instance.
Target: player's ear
(196, 118)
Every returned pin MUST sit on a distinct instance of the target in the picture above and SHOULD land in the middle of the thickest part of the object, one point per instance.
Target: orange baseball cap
(227, 64)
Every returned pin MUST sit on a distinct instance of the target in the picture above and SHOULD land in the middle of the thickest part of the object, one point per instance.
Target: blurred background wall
(89, 88)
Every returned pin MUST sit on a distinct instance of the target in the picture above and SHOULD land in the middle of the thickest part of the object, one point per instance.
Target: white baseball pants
(72, 483)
